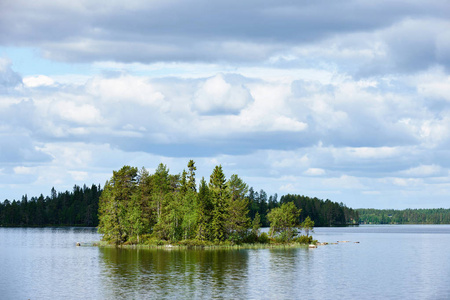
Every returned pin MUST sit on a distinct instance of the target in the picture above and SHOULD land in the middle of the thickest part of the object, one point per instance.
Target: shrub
(251, 238)
(304, 239)
(154, 241)
(263, 238)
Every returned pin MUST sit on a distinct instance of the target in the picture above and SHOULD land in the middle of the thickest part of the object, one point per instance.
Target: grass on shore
(298, 242)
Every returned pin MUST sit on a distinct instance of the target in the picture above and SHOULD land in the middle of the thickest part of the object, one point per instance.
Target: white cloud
(343, 182)
(126, 88)
(372, 152)
(39, 80)
(423, 171)
(351, 111)
(216, 96)
(314, 172)
(287, 188)
(407, 182)
(434, 84)
(82, 114)
(21, 170)
(79, 175)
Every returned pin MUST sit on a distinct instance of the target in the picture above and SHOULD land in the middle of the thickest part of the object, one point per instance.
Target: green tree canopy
(284, 221)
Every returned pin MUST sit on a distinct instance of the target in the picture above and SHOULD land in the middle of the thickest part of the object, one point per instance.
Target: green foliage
(284, 222)
(204, 214)
(305, 239)
(237, 221)
(263, 238)
(76, 208)
(219, 194)
(119, 218)
(406, 216)
(308, 225)
(143, 208)
(256, 224)
(323, 213)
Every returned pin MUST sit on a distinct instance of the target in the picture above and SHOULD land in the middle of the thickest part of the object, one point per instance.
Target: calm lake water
(389, 262)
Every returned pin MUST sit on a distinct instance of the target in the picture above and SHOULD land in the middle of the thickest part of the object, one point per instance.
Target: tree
(191, 175)
(284, 221)
(204, 212)
(219, 195)
(256, 224)
(308, 225)
(116, 203)
(238, 221)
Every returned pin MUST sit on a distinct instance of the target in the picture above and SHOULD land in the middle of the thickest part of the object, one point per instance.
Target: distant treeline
(76, 208)
(406, 216)
(79, 207)
(323, 213)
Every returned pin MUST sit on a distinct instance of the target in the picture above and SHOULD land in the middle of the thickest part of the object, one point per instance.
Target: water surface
(390, 262)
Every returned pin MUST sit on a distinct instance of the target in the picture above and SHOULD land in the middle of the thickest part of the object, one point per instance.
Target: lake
(389, 262)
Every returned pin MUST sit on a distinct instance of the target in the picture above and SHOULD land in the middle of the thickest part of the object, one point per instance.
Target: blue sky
(347, 101)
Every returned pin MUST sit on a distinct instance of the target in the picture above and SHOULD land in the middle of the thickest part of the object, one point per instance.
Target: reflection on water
(157, 273)
(390, 262)
(231, 274)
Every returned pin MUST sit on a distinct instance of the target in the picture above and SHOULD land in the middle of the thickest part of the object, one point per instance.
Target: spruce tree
(219, 195)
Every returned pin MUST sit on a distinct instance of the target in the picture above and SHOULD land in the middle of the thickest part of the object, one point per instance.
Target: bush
(303, 239)
(251, 238)
(234, 238)
(194, 243)
(263, 238)
(154, 241)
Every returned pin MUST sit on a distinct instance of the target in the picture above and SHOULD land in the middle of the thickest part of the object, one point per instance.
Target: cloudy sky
(340, 100)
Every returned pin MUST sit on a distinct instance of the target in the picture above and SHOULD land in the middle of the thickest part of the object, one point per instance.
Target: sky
(341, 100)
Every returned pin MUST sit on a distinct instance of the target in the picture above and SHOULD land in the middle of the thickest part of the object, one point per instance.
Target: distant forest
(76, 208)
(323, 213)
(79, 207)
(406, 216)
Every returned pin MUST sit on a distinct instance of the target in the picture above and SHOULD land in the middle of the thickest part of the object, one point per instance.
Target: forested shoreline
(137, 207)
(405, 216)
(79, 207)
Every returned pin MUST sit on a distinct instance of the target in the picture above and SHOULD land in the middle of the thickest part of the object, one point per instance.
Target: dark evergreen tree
(219, 194)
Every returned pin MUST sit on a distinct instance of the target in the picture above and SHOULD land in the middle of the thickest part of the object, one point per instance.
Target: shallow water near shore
(390, 262)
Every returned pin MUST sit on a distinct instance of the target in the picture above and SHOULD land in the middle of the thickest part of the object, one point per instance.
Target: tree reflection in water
(159, 273)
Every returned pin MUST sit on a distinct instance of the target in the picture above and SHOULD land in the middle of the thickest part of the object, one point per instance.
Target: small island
(163, 210)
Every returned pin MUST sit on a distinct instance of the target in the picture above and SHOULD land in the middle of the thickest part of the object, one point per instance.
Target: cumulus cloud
(410, 45)
(424, 171)
(23, 170)
(248, 31)
(314, 172)
(216, 96)
(39, 80)
(291, 96)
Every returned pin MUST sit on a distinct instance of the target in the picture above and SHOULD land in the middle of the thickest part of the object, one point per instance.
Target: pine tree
(115, 203)
(237, 209)
(204, 212)
(219, 195)
(191, 175)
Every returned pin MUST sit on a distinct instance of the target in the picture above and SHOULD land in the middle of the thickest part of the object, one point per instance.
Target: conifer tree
(219, 195)
(204, 212)
(191, 175)
(115, 204)
(237, 208)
